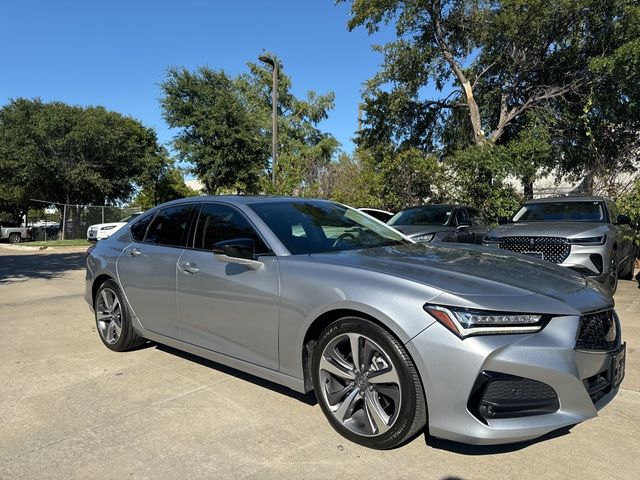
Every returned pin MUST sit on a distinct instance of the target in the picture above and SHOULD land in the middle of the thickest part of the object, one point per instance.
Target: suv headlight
(488, 239)
(588, 240)
(467, 322)
(110, 227)
(425, 237)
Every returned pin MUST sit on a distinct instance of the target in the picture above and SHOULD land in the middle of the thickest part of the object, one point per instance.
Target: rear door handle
(188, 267)
(134, 252)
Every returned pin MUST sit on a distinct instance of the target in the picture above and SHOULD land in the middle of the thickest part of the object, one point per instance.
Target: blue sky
(114, 53)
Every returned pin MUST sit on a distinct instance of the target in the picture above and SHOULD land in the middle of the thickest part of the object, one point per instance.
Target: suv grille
(552, 249)
(598, 331)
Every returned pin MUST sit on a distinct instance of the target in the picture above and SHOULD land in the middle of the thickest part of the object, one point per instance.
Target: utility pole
(274, 113)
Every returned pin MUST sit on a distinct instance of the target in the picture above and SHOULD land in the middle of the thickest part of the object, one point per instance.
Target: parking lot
(73, 409)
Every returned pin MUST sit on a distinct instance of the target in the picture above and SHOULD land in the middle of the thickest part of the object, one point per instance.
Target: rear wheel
(113, 320)
(367, 385)
(14, 238)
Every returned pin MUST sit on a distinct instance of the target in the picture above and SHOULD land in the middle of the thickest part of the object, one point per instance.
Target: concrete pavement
(71, 409)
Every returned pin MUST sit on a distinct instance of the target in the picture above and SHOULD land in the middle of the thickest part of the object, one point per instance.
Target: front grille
(93, 232)
(598, 331)
(552, 249)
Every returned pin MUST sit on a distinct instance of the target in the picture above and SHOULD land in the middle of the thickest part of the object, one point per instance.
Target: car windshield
(561, 212)
(313, 226)
(427, 215)
(130, 217)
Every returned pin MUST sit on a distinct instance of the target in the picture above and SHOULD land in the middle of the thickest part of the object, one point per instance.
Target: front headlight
(425, 237)
(110, 227)
(488, 239)
(467, 322)
(588, 240)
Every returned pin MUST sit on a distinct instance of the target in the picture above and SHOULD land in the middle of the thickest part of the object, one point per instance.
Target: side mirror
(464, 226)
(623, 220)
(240, 251)
(502, 220)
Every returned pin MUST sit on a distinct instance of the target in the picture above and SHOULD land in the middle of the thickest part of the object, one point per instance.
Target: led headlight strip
(467, 322)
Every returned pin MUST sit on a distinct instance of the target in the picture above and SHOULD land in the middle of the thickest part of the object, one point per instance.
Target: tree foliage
(168, 185)
(70, 154)
(503, 70)
(225, 129)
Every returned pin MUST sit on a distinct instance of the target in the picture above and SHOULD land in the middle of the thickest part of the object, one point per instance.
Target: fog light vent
(497, 395)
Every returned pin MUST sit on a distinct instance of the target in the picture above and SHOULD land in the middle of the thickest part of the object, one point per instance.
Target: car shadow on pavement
(21, 268)
(465, 449)
(309, 398)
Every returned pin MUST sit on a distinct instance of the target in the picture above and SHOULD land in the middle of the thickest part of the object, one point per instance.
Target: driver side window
(461, 217)
(220, 223)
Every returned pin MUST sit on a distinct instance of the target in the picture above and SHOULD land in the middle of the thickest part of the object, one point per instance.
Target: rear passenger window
(220, 223)
(169, 227)
(139, 228)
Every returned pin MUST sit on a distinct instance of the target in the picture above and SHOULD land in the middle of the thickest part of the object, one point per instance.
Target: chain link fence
(71, 222)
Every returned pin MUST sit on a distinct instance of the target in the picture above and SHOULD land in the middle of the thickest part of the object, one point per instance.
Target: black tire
(629, 267)
(127, 338)
(406, 421)
(14, 238)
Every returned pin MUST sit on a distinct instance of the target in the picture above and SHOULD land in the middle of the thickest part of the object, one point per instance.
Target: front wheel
(367, 385)
(627, 273)
(14, 238)
(612, 278)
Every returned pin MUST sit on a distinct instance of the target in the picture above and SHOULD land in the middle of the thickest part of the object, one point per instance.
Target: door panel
(229, 308)
(148, 277)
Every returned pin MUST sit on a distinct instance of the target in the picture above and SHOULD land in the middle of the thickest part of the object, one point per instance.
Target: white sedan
(100, 231)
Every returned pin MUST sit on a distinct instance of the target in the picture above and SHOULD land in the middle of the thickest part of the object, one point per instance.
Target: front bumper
(450, 367)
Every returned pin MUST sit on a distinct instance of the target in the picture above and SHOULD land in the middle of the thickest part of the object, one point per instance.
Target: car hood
(112, 224)
(551, 229)
(474, 276)
(411, 230)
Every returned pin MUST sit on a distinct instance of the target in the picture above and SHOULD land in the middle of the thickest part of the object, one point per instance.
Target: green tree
(169, 185)
(225, 130)
(71, 154)
(220, 128)
(502, 67)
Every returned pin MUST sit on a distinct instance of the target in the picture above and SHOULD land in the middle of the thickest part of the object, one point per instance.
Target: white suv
(100, 231)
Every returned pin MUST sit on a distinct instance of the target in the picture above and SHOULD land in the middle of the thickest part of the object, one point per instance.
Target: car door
(147, 268)
(478, 225)
(463, 228)
(225, 307)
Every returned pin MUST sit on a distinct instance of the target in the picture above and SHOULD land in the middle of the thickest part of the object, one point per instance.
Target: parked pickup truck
(15, 234)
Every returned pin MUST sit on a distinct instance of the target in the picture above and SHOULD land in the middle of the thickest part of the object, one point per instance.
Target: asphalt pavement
(71, 409)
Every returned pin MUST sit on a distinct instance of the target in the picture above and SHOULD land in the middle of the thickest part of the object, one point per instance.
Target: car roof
(452, 205)
(567, 198)
(242, 199)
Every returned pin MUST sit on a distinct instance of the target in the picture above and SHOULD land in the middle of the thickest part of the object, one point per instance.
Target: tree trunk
(528, 189)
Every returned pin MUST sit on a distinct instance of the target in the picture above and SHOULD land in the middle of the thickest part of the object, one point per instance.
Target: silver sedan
(393, 336)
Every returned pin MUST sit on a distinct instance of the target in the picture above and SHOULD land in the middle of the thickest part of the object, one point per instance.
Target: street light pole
(274, 114)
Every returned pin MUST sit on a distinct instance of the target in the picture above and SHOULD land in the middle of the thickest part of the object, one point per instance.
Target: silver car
(393, 336)
(586, 234)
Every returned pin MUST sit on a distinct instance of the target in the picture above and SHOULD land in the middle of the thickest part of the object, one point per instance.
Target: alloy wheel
(360, 384)
(109, 316)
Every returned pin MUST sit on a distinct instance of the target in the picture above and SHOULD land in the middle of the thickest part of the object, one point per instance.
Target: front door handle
(134, 252)
(188, 267)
